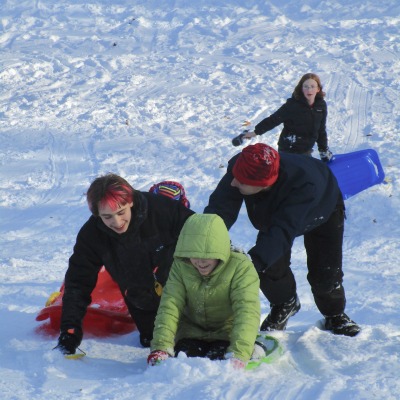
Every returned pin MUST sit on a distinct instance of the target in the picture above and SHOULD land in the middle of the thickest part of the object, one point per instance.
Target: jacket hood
(204, 236)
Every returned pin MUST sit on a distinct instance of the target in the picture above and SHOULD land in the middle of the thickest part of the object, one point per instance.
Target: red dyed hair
(110, 190)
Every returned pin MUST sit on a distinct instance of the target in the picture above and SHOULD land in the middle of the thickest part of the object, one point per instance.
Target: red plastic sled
(106, 315)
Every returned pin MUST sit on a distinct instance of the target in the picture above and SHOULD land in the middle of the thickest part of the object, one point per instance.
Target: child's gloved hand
(236, 363)
(69, 341)
(156, 357)
(326, 155)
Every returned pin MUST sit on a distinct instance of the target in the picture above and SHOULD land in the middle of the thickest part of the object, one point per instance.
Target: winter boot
(341, 325)
(280, 313)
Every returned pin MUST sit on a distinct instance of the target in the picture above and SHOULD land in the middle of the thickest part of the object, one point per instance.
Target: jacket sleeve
(80, 280)
(169, 312)
(246, 309)
(226, 200)
(322, 140)
(275, 119)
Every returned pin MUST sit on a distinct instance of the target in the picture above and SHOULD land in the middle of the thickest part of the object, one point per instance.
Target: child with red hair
(133, 234)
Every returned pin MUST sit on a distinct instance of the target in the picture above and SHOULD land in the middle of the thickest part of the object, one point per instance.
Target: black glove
(238, 140)
(325, 155)
(68, 342)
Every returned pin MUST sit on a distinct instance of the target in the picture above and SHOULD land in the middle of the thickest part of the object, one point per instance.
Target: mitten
(156, 357)
(326, 155)
(238, 140)
(69, 341)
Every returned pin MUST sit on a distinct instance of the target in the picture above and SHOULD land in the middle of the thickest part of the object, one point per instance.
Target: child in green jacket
(210, 306)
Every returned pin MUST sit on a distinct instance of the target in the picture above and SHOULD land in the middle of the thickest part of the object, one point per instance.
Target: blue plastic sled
(357, 171)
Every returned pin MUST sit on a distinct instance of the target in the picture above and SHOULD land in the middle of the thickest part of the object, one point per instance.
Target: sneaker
(342, 325)
(278, 317)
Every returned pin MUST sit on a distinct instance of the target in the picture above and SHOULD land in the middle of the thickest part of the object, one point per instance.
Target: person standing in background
(304, 120)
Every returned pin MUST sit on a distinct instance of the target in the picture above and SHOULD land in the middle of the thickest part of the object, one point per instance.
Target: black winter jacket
(130, 258)
(304, 196)
(303, 126)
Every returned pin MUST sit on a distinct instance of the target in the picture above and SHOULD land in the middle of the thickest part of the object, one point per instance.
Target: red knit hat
(257, 165)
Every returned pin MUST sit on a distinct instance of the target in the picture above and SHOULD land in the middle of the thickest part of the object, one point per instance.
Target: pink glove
(156, 357)
(237, 364)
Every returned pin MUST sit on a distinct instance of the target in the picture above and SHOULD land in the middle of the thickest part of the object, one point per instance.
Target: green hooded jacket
(225, 305)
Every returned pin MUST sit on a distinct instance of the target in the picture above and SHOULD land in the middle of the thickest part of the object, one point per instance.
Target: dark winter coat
(303, 126)
(130, 258)
(304, 196)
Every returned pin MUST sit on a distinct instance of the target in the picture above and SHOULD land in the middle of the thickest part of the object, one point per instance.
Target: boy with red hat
(286, 196)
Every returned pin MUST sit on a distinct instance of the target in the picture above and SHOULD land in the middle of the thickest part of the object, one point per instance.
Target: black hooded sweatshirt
(303, 125)
(134, 259)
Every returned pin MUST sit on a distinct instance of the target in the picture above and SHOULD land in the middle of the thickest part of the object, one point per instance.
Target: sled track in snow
(358, 102)
(349, 105)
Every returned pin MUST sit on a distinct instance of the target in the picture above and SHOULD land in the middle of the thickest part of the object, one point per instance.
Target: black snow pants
(324, 261)
(214, 350)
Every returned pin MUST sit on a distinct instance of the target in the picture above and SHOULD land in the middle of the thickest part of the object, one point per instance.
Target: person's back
(287, 196)
(306, 190)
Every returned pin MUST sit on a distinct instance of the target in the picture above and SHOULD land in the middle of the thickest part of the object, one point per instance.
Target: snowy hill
(156, 90)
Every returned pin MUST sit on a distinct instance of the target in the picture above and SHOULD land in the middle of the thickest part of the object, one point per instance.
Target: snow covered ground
(155, 90)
